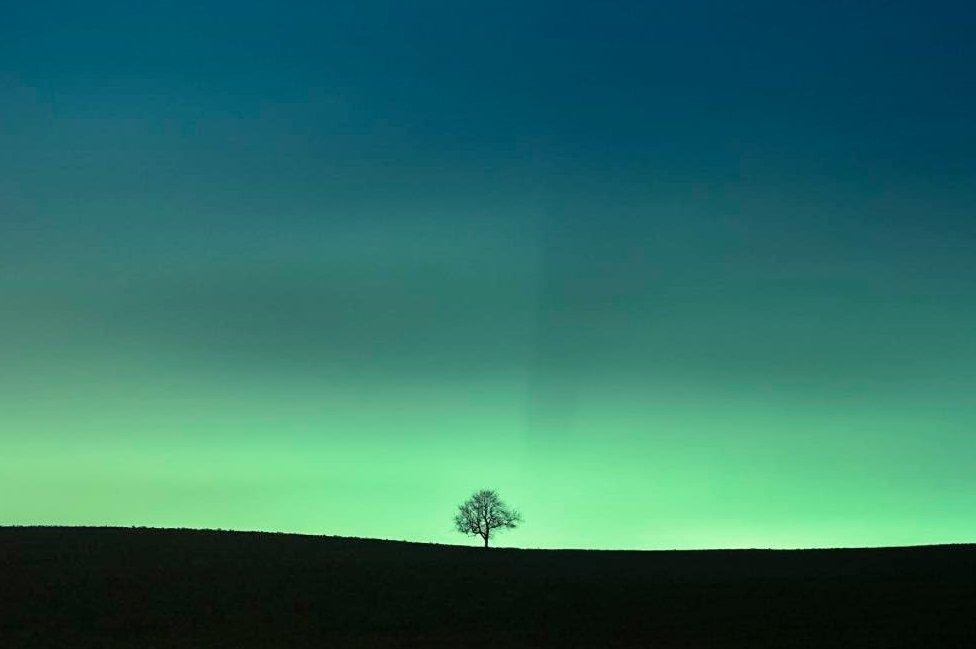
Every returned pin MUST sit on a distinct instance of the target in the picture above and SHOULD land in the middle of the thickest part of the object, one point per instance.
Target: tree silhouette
(483, 513)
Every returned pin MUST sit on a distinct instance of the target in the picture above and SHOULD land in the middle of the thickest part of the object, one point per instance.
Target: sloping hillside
(118, 587)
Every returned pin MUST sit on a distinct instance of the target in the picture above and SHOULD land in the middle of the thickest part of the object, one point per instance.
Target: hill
(120, 587)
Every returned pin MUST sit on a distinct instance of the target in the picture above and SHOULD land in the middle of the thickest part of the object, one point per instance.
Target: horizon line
(945, 544)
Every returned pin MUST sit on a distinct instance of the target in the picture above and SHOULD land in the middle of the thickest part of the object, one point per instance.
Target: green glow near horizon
(631, 471)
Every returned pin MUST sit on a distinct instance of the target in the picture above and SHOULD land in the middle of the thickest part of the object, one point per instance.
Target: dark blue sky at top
(690, 83)
(703, 272)
(643, 154)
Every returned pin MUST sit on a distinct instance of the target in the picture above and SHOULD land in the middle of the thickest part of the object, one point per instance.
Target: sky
(664, 274)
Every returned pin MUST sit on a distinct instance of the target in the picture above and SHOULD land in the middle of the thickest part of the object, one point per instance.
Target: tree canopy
(483, 513)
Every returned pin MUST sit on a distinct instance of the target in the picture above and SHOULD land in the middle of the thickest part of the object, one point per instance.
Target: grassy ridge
(120, 587)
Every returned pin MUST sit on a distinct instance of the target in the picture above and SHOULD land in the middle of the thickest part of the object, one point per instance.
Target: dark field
(110, 587)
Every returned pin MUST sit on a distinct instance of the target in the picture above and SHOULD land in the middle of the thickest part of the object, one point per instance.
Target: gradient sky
(665, 274)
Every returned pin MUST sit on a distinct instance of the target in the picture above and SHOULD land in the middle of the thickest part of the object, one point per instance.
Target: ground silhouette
(120, 587)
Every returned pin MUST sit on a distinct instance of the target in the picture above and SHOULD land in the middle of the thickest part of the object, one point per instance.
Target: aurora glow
(664, 274)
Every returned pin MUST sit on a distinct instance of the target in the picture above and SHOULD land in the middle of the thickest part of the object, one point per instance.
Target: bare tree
(483, 513)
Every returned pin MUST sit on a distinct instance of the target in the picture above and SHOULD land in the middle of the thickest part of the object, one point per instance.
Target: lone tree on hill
(483, 513)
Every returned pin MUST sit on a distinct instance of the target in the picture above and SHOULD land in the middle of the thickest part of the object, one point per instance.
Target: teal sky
(696, 274)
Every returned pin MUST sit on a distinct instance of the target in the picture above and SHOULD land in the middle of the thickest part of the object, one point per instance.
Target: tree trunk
(486, 541)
